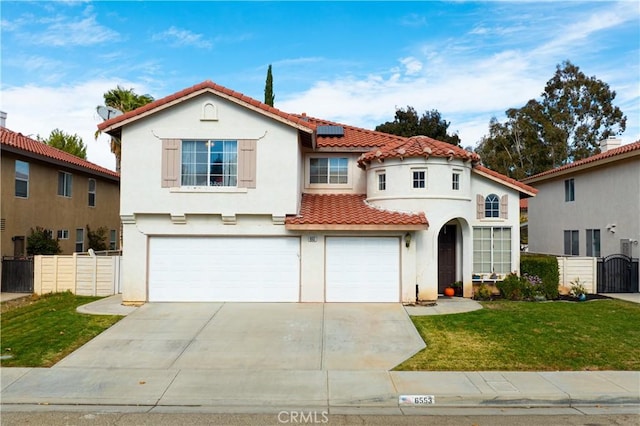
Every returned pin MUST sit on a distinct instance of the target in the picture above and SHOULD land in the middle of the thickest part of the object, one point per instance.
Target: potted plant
(457, 288)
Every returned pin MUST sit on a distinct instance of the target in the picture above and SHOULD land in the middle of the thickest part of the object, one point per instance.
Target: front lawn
(40, 331)
(528, 336)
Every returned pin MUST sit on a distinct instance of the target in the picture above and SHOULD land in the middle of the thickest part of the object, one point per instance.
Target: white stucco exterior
(149, 210)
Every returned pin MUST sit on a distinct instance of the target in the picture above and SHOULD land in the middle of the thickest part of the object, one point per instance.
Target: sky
(350, 62)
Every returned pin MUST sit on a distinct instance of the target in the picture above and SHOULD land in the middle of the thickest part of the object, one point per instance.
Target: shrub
(577, 288)
(511, 287)
(41, 241)
(545, 267)
(483, 292)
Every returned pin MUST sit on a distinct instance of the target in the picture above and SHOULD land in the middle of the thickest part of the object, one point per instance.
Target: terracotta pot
(449, 291)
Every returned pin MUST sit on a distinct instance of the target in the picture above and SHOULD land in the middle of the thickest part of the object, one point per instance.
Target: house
(45, 187)
(590, 207)
(224, 198)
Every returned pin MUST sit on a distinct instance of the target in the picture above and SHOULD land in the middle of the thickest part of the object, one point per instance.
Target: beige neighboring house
(224, 198)
(44, 186)
(590, 207)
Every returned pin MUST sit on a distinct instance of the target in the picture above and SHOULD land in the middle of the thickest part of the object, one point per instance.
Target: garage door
(362, 269)
(188, 269)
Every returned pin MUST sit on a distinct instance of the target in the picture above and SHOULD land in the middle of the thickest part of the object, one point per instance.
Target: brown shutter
(171, 162)
(246, 163)
(479, 206)
(504, 207)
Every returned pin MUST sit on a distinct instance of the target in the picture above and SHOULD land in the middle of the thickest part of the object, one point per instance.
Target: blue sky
(352, 62)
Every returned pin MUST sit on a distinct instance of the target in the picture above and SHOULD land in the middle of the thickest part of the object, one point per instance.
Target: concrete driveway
(265, 336)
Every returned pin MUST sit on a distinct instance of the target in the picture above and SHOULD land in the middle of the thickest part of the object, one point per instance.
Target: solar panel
(330, 131)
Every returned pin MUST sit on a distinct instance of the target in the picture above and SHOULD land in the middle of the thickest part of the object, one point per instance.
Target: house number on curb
(417, 399)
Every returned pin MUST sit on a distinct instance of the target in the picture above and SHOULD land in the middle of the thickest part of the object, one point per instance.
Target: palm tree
(124, 100)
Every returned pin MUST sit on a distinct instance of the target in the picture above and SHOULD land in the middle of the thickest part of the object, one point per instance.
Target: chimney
(610, 143)
(3, 119)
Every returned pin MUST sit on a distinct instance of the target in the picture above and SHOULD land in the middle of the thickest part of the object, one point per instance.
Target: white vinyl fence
(585, 268)
(80, 274)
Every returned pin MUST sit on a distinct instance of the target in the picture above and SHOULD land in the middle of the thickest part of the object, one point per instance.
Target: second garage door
(361, 269)
(188, 269)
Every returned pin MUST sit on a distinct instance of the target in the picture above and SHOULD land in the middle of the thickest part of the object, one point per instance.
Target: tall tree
(407, 123)
(269, 96)
(124, 100)
(72, 144)
(574, 113)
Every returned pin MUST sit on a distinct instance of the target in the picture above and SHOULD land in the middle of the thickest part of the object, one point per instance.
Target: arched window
(492, 206)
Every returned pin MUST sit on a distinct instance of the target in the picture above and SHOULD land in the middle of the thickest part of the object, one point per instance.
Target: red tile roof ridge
(348, 126)
(17, 140)
(522, 186)
(383, 209)
(207, 84)
(623, 149)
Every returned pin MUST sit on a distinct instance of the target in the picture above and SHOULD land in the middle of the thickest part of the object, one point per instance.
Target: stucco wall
(603, 196)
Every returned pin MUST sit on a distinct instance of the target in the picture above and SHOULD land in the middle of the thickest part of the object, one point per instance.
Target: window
(210, 163)
(334, 170)
(63, 234)
(79, 240)
(491, 250)
(92, 192)
(382, 181)
(64, 184)
(571, 243)
(492, 206)
(22, 179)
(455, 181)
(593, 242)
(569, 190)
(419, 179)
(113, 239)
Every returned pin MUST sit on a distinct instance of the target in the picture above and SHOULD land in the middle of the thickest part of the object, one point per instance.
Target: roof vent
(330, 131)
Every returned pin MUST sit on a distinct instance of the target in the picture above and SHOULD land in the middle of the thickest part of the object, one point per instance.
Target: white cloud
(412, 65)
(65, 31)
(180, 37)
(37, 110)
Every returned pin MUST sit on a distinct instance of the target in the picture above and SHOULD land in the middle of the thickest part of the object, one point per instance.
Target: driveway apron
(264, 336)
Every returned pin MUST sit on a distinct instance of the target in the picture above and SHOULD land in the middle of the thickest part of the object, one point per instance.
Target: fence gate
(617, 273)
(17, 275)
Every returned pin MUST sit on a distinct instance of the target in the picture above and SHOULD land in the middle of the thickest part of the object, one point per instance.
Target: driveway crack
(197, 334)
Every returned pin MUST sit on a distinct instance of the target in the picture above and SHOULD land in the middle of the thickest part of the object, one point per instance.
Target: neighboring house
(224, 198)
(589, 207)
(44, 186)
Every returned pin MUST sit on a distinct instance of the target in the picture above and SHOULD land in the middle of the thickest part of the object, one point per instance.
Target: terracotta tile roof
(354, 137)
(202, 87)
(17, 142)
(524, 203)
(594, 160)
(529, 190)
(418, 146)
(350, 210)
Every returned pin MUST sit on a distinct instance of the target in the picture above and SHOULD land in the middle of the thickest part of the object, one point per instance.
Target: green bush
(41, 241)
(483, 292)
(511, 287)
(545, 267)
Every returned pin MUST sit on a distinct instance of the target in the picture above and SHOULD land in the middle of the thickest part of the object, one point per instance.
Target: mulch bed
(567, 298)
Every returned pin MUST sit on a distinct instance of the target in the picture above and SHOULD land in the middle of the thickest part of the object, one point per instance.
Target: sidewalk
(376, 392)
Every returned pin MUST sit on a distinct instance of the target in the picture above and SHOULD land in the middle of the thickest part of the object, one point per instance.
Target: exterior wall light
(407, 239)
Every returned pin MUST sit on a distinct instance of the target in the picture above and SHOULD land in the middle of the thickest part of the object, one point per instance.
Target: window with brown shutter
(171, 162)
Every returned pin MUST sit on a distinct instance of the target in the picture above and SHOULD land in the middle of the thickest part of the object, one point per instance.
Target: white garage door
(202, 269)
(362, 269)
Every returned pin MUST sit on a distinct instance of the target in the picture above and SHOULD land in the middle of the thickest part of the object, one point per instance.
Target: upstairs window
(455, 181)
(209, 163)
(569, 190)
(22, 179)
(419, 179)
(65, 183)
(382, 181)
(330, 170)
(492, 206)
(92, 192)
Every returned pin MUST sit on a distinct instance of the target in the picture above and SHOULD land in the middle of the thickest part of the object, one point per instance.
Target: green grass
(40, 331)
(526, 336)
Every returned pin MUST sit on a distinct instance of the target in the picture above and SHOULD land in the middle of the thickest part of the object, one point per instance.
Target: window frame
(456, 180)
(308, 175)
(92, 200)
(63, 234)
(417, 181)
(496, 254)
(79, 240)
(381, 179)
(229, 179)
(492, 211)
(65, 186)
(18, 179)
(113, 239)
(594, 242)
(571, 245)
(569, 190)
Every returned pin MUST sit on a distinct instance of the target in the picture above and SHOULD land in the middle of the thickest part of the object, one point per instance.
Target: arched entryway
(448, 256)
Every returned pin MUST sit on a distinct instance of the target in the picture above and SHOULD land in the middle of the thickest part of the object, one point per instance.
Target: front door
(446, 257)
